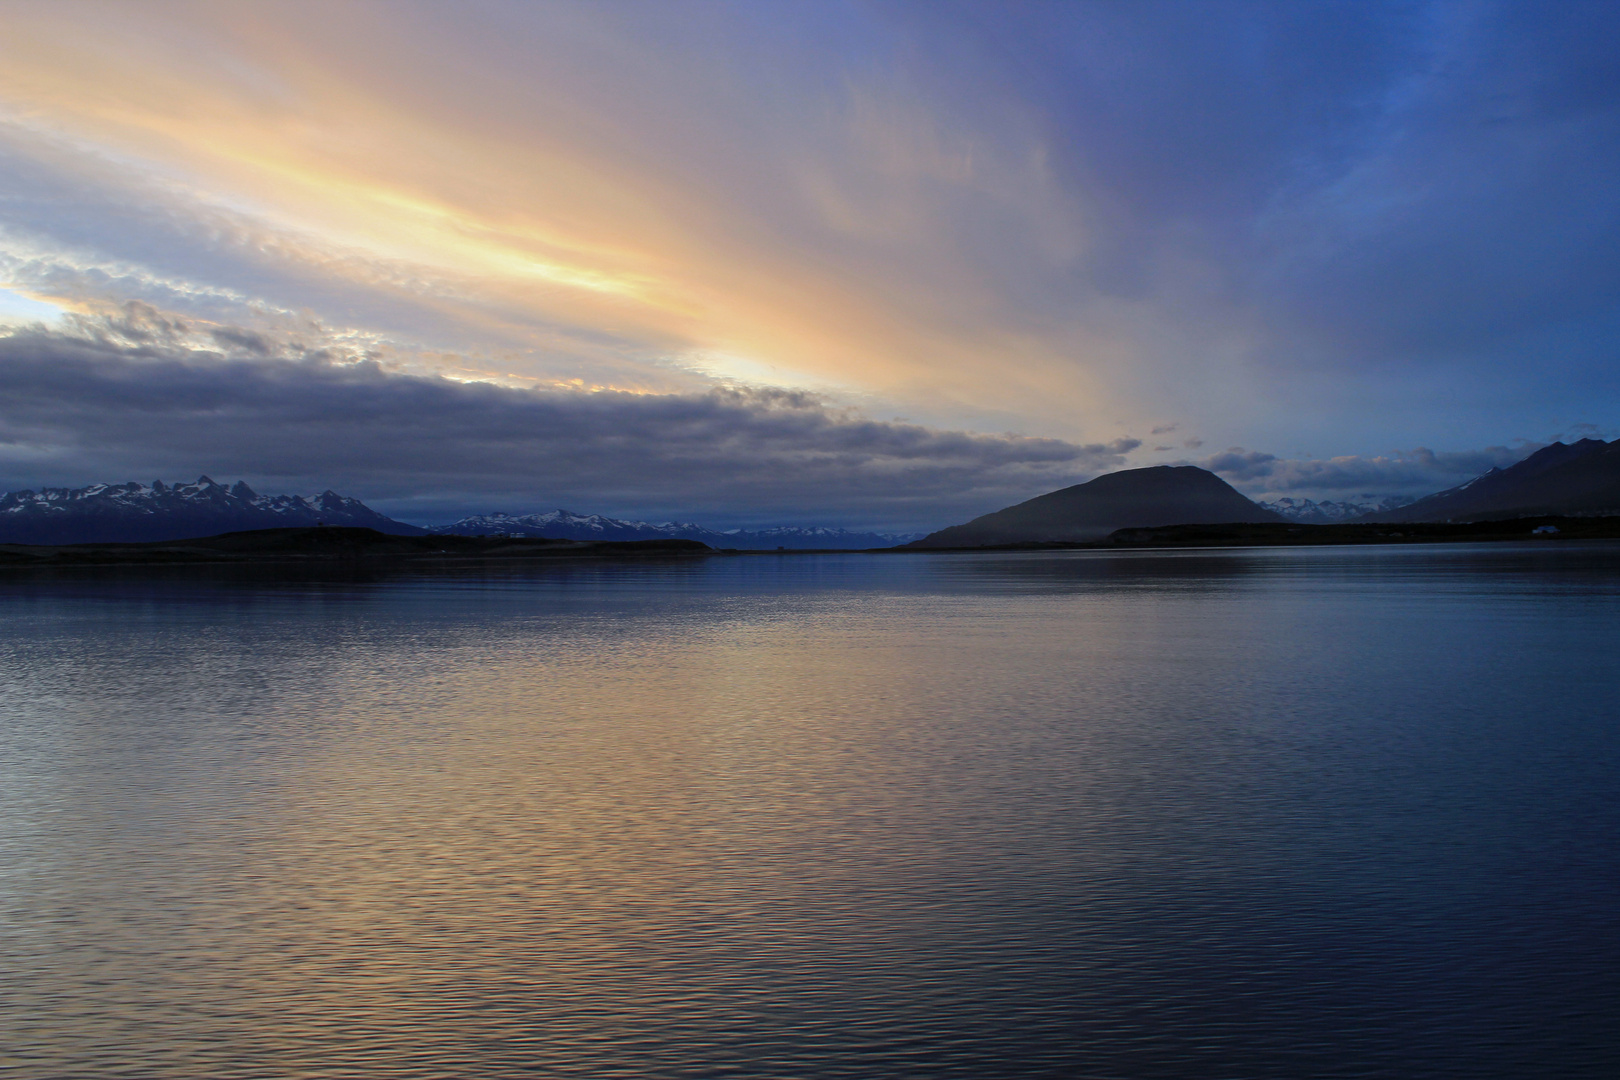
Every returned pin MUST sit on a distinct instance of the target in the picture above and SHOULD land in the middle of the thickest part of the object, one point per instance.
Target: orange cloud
(527, 209)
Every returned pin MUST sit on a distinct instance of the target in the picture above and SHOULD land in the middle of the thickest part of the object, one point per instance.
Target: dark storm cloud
(1391, 193)
(1485, 206)
(76, 409)
(1201, 110)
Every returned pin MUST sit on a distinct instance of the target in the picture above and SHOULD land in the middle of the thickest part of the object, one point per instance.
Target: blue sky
(874, 264)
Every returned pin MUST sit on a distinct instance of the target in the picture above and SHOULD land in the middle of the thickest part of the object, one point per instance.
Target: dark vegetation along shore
(336, 543)
(1268, 534)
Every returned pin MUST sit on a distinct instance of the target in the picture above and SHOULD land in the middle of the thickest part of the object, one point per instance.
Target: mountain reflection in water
(1341, 812)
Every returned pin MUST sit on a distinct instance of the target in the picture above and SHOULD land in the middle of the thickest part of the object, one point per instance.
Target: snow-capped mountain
(819, 536)
(113, 513)
(564, 524)
(1327, 512)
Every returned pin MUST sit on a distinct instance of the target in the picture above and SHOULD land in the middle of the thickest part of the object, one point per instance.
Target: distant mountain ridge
(1132, 498)
(1575, 479)
(1328, 512)
(120, 513)
(1579, 479)
(566, 525)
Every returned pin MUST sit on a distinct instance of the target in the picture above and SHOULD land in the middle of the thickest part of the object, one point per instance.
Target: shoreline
(333, 545)
(1295, 534)
(343, 544)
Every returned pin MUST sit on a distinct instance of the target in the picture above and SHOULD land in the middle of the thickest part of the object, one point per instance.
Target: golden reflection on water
(656, 827)
(607, 818)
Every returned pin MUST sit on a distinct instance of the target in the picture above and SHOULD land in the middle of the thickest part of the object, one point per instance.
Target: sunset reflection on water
(1269, 813)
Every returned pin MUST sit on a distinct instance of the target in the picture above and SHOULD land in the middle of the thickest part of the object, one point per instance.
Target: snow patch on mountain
(567, 525)
(1328, 512)
(159, 511)
(142, 499)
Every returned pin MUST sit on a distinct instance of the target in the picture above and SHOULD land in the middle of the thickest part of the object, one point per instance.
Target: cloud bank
(1416, 472)
(129, 398)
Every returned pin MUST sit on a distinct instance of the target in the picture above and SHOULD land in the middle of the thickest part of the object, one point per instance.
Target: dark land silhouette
(1089, 512)
(1573, 489)
(329, 544)
(1574, 479)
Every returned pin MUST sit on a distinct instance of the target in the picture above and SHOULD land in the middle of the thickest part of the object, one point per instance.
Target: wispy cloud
(1419, 471)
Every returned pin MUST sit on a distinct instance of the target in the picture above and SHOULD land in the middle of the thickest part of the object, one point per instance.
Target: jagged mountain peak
(1329, 511)
(103, 513)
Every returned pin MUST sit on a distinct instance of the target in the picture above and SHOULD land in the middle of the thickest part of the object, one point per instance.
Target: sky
(874, 264)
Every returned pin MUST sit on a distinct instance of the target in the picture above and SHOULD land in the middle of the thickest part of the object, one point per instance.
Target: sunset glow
(882, 206)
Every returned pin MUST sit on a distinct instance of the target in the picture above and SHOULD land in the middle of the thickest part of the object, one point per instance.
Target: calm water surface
(1269, 813)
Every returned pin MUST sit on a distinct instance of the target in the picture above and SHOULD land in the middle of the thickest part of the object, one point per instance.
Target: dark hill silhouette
(1580, 479)
(1135, 498)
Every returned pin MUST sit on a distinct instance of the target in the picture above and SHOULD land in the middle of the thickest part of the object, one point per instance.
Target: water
(1275, 813)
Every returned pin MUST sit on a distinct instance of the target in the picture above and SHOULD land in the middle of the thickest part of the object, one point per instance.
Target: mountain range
(133, 512)
(566, 525)
(1580, 479)
(1574, 479)
(1329, 512)
(123, 513)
